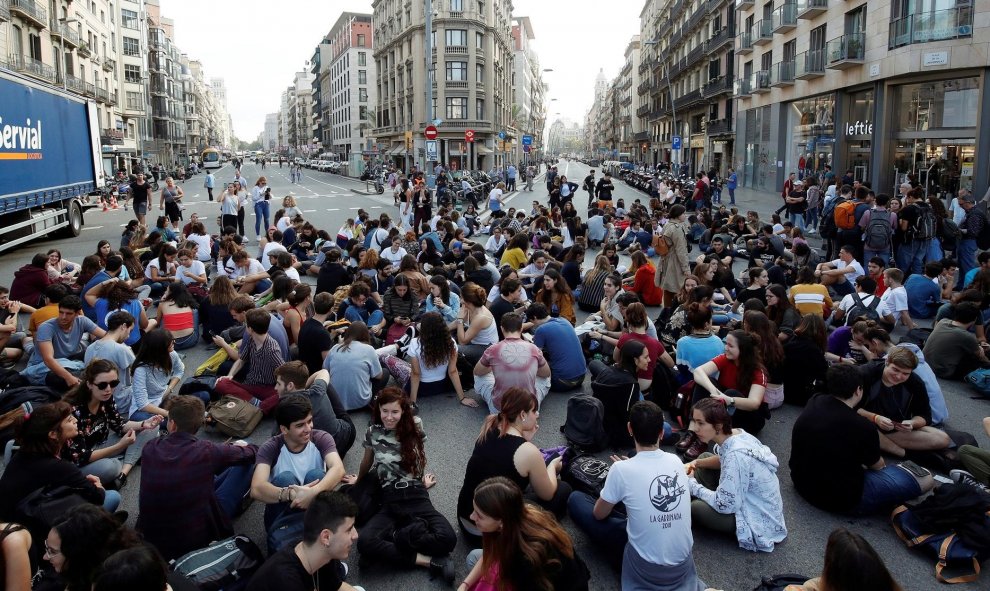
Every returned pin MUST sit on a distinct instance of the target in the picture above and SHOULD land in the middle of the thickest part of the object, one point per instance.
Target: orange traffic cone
(113, 201)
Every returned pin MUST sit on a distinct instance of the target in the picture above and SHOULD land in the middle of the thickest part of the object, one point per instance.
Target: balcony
(809, 9)
(643, 111)
(741, 4)
(64, 32)
(717, 86)
(89, 89)
(689, 99)
(784, 18)
(718, 127)
(30, 11)
(111, 137)
(938, 25)
(696, 18)
(455, 49)
(109, 65)
(32, 67)
(719, 39)
(810, 64)
(846, 51)
(760, 82)
(75, 84)
(761, 32)
(84, 50)
(782, 74)
(456, 85)
(745, 44)
(743, 87)
(4, 11)
(694, 55)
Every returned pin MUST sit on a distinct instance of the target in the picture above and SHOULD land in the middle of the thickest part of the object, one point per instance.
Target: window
(135, 102)
(18, 40)
(456, 107)
(479, 109)
(362, 76)
(456, 5)
(132, 46)
(456, 71)
(361, 40)
(132, 73)
(479, 40)
(34, 46)
(363, 95)
(456, 37)
(362, 58)
(479, 73)
(129, 19)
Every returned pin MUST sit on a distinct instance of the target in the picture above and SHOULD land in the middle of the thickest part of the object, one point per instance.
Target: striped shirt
(262, 362)
(810, 298)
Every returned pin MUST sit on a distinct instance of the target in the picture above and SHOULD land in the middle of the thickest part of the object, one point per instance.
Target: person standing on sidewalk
(788, 187)
(972, 226)
(589, 186)
(209, 182)
(511, 173)
(530, 174)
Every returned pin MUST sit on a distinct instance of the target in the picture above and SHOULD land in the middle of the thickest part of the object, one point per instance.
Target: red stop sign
(430, 133)
(469, 135)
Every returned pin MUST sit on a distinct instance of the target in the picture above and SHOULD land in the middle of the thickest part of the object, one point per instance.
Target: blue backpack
(979, 380)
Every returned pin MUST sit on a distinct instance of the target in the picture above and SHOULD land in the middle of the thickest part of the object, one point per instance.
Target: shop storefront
(759, 153)
(856, 126)
(810, 124)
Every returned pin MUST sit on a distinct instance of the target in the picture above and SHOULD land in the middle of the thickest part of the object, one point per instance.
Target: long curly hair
(527, 531)
(434, 340)
(770, 348)
(410, 441)
(89, 535)
(117, 294)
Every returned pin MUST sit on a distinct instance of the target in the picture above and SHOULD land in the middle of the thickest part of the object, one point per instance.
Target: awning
(395, 151)
(481, 149)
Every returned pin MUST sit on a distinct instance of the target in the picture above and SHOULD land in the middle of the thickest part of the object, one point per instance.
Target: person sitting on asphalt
(879, 344)
(561, 347)
(835, 454)
(296, 465)
(355, 371)
(952, 350)
(841, 273)
(55, 353)
(865, 288)
(259, 353)
(850, 563)
(511, 363)
(736, 490)
(651, 485)
(896, 401)
(191, 488)
(924, 295)
(328, 411)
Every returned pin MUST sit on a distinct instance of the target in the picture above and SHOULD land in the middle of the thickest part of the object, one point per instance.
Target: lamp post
(673, 111)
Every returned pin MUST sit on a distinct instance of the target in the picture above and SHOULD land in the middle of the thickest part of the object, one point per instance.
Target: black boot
(443, 568)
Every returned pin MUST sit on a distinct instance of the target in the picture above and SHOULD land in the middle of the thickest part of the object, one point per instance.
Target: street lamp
(670, 91)
(61, 44)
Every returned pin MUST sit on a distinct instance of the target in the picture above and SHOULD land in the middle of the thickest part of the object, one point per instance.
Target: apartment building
(595, 121)
(628, 99)
(529, 109)
(881, 89)
(269, 137)
(204, 114)
(469, 86)
(131, 38)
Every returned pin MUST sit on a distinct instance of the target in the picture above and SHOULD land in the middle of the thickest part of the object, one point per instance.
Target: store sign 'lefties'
(859, 128)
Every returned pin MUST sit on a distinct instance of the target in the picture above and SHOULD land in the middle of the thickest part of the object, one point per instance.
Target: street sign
(430, 132)
(431, 150)
(501, 135)
(409, 140)
(675, 142)
(469, 135)
(527, 140)
(525, 148)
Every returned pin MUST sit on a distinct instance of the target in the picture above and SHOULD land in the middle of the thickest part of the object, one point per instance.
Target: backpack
(925, 225)
(585, 473)
(780, 582)
(879, 231)
(235, 417)
(827, 227)
(950, 234)
(916, 336)
(286, 530)
(584, 425)
(861, 310)
(225, 564)
(845, 215)
(979, 380)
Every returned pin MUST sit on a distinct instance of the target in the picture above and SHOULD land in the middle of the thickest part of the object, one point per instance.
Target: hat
(798, 183)
(456, 244)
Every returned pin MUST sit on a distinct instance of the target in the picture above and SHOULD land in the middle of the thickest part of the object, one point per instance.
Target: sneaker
(120, 481)
(964, 477)
(697, 448)
(442, 568)
(687, 439)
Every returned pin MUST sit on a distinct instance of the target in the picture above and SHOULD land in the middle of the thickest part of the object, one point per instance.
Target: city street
(327, 200)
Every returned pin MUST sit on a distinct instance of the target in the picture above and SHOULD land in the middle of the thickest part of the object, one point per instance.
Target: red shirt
(654, 346)
(728, 375)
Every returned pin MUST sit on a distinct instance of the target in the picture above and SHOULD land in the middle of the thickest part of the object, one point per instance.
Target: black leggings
(406, 525)
(240, 221)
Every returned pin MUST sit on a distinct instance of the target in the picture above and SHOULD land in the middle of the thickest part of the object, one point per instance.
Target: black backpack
(585, 473)
(780, 582)
(879, 231)
(926, 226)
(827, 228)
(225, 564)
(861, 310)
(584, 426)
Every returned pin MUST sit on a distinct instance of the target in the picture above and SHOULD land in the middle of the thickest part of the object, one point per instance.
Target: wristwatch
(730, 401)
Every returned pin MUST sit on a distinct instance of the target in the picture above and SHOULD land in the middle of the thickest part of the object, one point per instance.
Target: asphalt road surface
(327, 200)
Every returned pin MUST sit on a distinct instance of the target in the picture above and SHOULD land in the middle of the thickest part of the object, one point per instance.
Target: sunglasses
(105, 385)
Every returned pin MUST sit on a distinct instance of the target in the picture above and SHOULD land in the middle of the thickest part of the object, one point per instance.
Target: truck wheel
(75, 221)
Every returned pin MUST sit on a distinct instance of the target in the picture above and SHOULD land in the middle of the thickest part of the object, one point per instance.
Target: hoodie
(29, 284)
(748, 488)
(935, 398)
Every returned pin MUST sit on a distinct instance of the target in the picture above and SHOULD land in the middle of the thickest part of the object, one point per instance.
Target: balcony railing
(809, 64)
(719, 127)
(846, 51)
(744, 3)
(784, 18)
(743, 87)
(761, 32)
(720, 38)
(760, 81)
(65, 33)
(938, 25)
(30, 10)
(75, 84)
(31, 67)
(689, 99)
(455, 49)
(84, 50)
(745, 44)
(782, 74)
(809, 9)
(109, 65)
(717, 86)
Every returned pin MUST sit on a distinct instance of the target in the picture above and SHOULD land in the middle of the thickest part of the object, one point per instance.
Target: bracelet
(875, 415)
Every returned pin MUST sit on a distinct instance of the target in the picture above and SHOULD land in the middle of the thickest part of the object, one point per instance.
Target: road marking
(308, 210)
(93, 227)
(333, 210)
(354, 208)
(376, 207)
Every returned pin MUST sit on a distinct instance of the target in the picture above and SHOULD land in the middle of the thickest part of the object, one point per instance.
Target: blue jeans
(111, 500)
(911, 256)
(811, 218)
(732, 196)
(869, 254)
(260, 211)
(966, 254)
(883, 489)
(190, 339)
(609, 533)
(231, 485)
(797, 219)
(354, 314)
(283, 479)
(843, 289)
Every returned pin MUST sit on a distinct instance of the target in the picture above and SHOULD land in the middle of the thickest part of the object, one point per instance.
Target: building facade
(885, 91)
(269, 137)
(529, 109)
(470, 87)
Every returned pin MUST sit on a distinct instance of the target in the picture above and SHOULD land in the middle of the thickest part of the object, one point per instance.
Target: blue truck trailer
(49, 160)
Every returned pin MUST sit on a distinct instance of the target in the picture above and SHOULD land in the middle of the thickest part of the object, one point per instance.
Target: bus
(211, 158)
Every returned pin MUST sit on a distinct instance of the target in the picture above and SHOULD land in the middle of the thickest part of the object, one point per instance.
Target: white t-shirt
(292, 273)
(379, 240)
(494, 244)
(272, 247)
(428, 375)
(153, 263)
(494, 293)
(850, 277)
(254, 267)
(893, 302)
(493, 196)
(848, 302)
(394, 257)
(654, 488)
(203, 242)
(196, 268)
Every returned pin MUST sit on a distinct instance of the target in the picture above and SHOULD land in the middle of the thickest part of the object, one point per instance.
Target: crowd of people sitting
(310, 326)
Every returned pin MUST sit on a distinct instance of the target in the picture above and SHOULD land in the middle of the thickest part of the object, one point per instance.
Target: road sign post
(430, 132)
(431, 150)
(675, 142)
(469, 135)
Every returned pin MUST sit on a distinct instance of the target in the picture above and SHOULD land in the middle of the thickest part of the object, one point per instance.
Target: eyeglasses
(49, 552)
(105, 385)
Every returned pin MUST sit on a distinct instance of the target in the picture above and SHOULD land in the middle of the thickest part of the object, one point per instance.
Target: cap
(456, 244)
